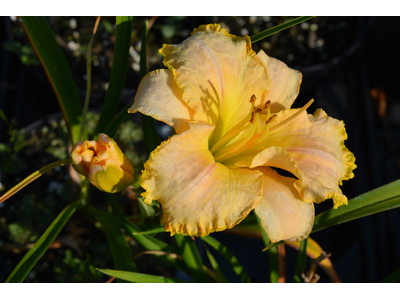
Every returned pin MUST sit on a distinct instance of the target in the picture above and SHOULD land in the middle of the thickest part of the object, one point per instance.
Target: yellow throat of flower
(255, 128)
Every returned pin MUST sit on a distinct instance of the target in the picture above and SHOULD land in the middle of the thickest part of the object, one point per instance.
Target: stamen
(241, 126)
(270, 119)
(267, 105)
(295, 115)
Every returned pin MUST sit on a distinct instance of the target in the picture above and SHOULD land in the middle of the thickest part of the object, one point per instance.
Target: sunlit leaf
(220, 275)
(139, 277)
(54, 63)
(383, 198)
(44, 242)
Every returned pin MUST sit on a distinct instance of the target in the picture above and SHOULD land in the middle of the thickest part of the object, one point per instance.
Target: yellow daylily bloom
(231, 110)
(103, 163)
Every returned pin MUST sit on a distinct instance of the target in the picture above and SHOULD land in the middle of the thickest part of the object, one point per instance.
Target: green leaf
(192, 257)
(156, 230)
(301, 262)
(151, 137)
(220, 274)
(116, 239)
(118, 72)
(139, 277)
(380, 199)
(232, 260)
(146, 211)
(44, 242)
(112, 128)
(148, 242)
(54, 63)
(261, 35)
(272, 255)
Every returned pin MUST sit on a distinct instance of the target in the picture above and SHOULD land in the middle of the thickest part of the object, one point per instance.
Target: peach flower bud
(103, 163)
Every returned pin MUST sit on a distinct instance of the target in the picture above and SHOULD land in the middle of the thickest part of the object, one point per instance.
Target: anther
(253, 99)
(253, 113)
(270, 119)
(267, 105)
(258, 110)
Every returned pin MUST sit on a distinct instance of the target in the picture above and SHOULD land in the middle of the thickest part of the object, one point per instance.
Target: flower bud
(103, 163)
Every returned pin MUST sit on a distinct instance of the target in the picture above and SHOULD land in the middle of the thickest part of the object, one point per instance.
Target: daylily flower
(231, 110)
(103, 163)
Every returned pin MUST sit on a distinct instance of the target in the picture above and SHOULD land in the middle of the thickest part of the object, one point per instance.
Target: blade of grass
(192, 257)
(56, 67)
(35, 175)
(301, 262)
(43, 243)
(383, 198)
(116, 239)
(89, 78)
(118, 72)
(156, 230)
(139, 277)
(232, 260)
(263, 34)
(272, 255)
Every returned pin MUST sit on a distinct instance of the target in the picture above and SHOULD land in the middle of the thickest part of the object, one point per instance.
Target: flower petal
(218, 73)
(158, 96)
(198, 195)
(285, 83)
(317, 155)
(283, 213)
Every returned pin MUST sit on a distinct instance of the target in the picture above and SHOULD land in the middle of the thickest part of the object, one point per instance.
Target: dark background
(359, 55)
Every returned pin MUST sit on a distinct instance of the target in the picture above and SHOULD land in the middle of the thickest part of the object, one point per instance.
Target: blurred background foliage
(342, 61)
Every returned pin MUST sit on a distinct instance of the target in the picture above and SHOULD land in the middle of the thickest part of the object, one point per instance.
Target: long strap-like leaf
(118, 72)
(44, 242)
(54, 63)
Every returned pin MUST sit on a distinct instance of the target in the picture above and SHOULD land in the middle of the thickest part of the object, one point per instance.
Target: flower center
(249, 132)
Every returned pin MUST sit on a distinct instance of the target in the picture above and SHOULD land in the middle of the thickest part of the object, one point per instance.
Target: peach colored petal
(285, 83)
(218, 74)
(158, 96)
(283, 213)
(198, 196)
(315, 144)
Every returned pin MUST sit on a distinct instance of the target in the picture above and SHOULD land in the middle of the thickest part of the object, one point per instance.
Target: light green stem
(35, 175)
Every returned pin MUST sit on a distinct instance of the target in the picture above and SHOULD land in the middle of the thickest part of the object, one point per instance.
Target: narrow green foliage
(44, 242)
(146, 211)
(156, 230)
(383, 198)
(232, 260)
(118, 72)
(263, 34)
(116, 239)
(301, 262)
(148, 242)
(272, 255)
(220, 275)
(54, 63)
(192, 257)
(139, 277)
